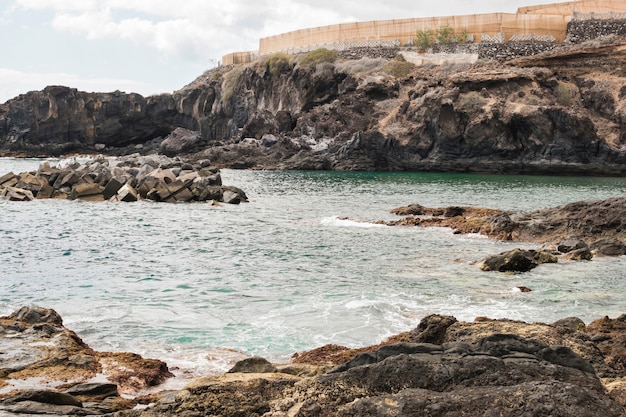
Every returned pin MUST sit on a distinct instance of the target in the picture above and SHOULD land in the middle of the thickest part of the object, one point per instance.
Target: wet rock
(517, 260)
(46, 397)
(608, 247)
(255, 365)
(432, 329)
(36, 347)
(100, 390)
(571, 244)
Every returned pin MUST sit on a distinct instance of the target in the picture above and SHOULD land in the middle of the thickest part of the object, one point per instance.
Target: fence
(541, 23)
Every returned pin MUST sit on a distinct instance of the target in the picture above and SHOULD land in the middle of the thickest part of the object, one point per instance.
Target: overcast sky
(157, 46)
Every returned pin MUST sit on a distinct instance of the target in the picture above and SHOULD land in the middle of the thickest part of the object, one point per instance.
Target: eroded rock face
(559, 112)
(61, 368)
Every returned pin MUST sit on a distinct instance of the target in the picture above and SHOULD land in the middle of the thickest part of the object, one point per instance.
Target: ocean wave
(338, 221)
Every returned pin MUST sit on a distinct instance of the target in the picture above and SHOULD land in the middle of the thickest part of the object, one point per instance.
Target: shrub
(471, 101)
(464, 36)
(216, 76)
(423, 39)
(445, 35)
(229, 83)
(564, 94)
(398, 67)
(277, 63)
(317, 56)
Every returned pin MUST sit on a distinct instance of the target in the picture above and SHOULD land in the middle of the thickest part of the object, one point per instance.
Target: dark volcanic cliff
(560, 112)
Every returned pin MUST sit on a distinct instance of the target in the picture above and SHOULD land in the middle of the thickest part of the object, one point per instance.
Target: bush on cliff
(278, 63)
(318, 56)
(398, 67)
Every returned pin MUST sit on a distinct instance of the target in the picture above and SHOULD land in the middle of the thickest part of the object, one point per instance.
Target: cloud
(15, 83)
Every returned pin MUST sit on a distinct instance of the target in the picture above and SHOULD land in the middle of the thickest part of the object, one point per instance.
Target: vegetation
(229, 82)
(445, 35)
(216, 76)
(423, 39)
(564, 94)
(464, 36)
(277, 63)
(398, 67)
(317, 56)
(471, 101)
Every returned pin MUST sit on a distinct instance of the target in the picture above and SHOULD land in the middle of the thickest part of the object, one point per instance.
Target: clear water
(187, 283)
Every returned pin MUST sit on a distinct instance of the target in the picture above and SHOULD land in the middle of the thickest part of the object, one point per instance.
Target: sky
(159, 46)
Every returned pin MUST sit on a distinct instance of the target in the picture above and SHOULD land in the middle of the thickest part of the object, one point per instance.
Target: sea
(301, 265)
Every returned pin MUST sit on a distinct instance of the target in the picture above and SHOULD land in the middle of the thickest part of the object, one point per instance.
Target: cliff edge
(557, 112)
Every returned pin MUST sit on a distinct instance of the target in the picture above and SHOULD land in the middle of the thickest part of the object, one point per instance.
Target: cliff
(557, 112)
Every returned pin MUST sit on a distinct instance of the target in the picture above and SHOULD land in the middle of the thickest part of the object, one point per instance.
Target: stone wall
(581, 30)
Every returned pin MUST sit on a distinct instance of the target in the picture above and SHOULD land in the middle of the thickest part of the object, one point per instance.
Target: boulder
(254, 365)
(180, 141)
(571, 244)
(517, 260)
(608, 247)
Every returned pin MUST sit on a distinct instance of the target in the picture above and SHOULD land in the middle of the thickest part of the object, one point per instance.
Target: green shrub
(216, 76)
(317, 56)
(423, 39)
(398, 68)
(564, 94)
(445, 35)
(464, 36)
(277, 63)
(230, 81)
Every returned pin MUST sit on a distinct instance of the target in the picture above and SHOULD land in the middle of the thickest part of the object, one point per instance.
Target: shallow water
(189, 282)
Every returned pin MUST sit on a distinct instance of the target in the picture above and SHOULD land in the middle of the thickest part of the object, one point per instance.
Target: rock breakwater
(127, 179)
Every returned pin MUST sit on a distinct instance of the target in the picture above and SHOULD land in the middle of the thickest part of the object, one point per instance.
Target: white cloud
(15, 83)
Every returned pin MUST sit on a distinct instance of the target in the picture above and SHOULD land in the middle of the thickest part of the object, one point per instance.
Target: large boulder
(517, 260)
(181, 141)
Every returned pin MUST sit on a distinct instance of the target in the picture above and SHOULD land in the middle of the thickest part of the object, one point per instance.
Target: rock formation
(442, 367)
(127, 179)
(61, 369)
(558, 112)
(576, 231)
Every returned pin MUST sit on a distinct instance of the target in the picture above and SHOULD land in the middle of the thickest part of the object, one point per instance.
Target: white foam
(337, 221)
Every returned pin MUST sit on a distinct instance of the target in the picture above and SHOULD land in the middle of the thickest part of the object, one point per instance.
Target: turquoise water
(188, 282)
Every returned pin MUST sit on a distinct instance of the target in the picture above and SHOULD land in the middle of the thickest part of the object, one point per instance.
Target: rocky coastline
(443, 367)
(576, 231)
(556, 112)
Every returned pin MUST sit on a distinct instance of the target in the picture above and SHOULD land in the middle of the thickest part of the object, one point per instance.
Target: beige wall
(541, 20)
(404, 29)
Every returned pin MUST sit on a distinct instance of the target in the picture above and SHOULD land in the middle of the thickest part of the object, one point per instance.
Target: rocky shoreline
(560, 112)
(443, 367)
(576, 231)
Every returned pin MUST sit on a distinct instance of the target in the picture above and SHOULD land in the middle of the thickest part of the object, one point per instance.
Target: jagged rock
(180, 141)
(37, 347)
(609, 247)
(571, 244)
(517, 260)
